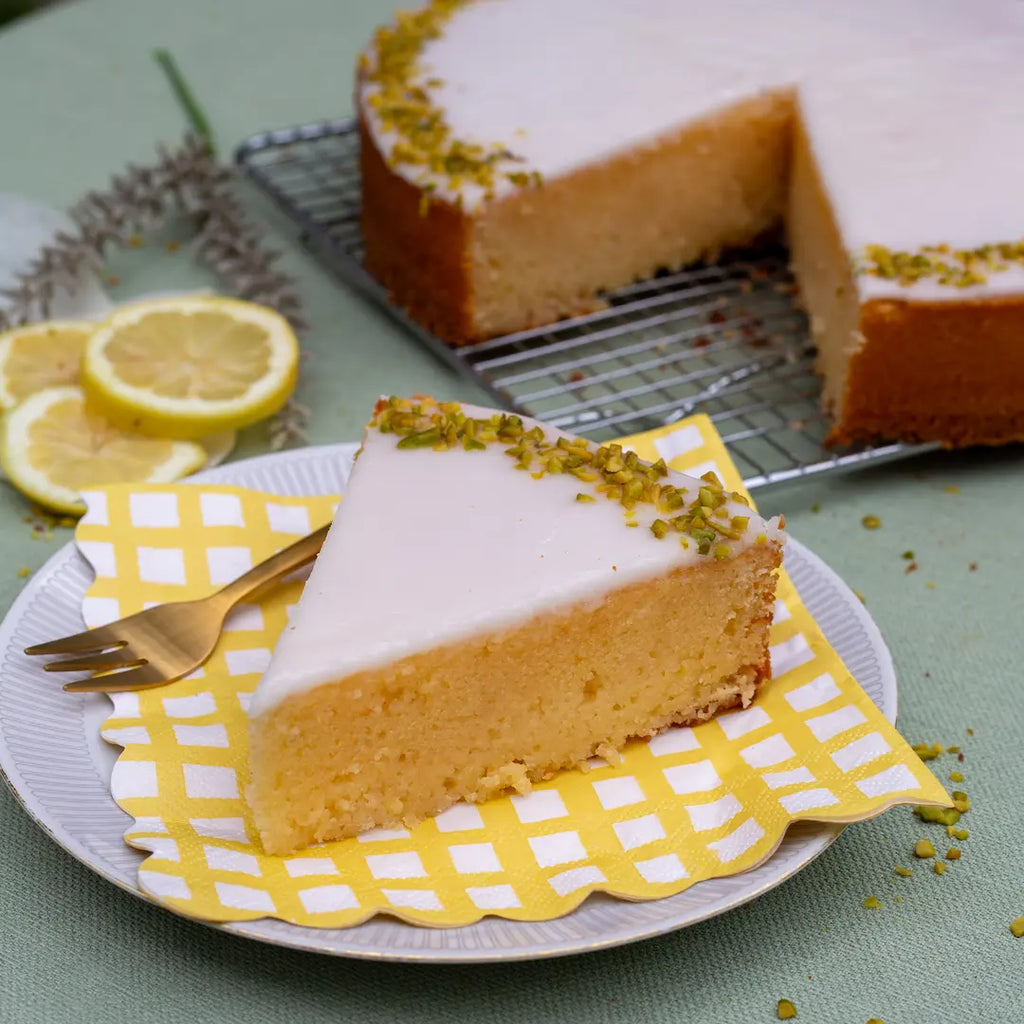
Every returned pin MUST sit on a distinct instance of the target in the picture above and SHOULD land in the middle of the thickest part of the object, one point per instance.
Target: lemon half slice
(54, 445)
(189, 367)
(39, 356)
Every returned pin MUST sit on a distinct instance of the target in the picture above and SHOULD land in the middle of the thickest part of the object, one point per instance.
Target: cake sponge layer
(390, 746)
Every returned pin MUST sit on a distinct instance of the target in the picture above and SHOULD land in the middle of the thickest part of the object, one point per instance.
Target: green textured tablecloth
(80, 96)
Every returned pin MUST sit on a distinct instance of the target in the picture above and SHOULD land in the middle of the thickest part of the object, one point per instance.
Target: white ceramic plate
(59, 768)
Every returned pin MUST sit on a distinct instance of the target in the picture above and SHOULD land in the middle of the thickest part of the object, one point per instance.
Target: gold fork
(161, 644)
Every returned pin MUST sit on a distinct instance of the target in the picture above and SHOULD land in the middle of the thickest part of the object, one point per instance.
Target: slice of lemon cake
(497, 600)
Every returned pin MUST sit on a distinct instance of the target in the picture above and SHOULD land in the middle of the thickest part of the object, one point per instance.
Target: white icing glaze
(428, 548)
(568, 83)
(931, 152)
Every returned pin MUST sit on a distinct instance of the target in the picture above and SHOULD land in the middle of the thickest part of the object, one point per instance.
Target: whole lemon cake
(522, 157)
(497, 600)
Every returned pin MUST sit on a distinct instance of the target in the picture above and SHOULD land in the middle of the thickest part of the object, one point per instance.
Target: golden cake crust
(925, 371)
(417, 251)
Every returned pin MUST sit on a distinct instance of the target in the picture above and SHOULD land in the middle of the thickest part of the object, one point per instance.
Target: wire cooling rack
(726, 340)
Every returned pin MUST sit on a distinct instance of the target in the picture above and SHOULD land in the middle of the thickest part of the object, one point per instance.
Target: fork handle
(292, 557)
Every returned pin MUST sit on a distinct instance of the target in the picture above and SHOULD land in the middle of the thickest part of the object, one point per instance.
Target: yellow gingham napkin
(687, 805)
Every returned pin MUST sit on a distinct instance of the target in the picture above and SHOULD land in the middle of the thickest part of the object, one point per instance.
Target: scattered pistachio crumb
(939, 867)
(923, 848)
(927, 751)
(952, 489)
(24, 572)
(871, 522)
(970, 732)
(873, 903)
(953, 853)
(815, 507)
(907, 556)
(961, 834)
(930, 585)
(785, 1010)
(903, 872)
(961, 801)
(952, 750)
(585, 497)
(876, 1020)
(1017, 927)
(956, 776)
(860, 597)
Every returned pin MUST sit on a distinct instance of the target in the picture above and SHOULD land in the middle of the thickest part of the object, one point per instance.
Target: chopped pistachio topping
(871, 522)
(873, 903)
(1017, 927)
(614, 474)
(942, 263)
(405, 103)
(926, 751)
(961, 834)
(956, 776)
(923, 848)
(953, 853)
(904, 872)
(938, 815)
(939, 868)
(785, 1009)
(961, 801)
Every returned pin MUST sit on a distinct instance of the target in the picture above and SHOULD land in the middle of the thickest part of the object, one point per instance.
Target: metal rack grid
(725, 340)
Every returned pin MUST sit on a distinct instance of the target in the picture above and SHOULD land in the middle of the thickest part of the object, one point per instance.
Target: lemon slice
(39, 356)
(189, 367)
(54, 445)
